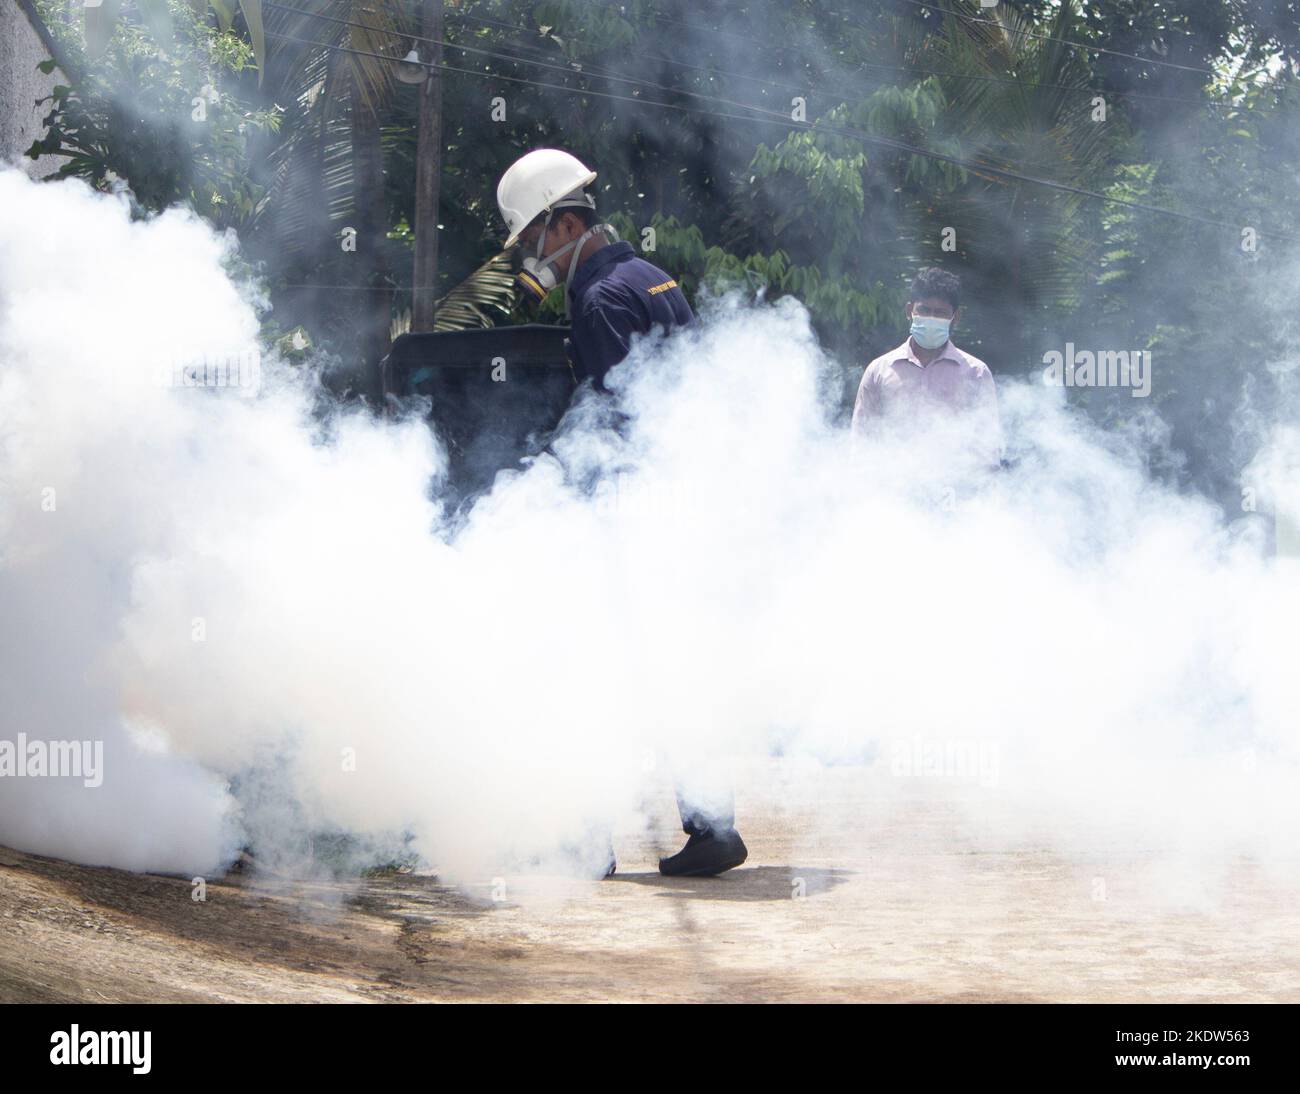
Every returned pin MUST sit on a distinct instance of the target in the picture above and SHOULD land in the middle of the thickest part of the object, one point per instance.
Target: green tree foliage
(101, 21)
(806, 148)
(172, 123)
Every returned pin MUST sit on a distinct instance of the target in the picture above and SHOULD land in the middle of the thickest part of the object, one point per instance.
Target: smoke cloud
(267, 616)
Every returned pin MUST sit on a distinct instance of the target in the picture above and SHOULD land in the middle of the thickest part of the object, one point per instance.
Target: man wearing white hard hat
(611, 295)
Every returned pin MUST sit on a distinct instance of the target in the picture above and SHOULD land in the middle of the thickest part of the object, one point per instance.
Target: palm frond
(489, 288)
(470, 304)
(1019, 99)
(314, 187)
(329, 26)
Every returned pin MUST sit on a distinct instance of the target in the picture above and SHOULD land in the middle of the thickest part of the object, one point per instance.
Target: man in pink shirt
(927, 381)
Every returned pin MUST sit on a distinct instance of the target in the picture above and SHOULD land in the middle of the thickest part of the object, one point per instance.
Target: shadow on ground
(755, 883)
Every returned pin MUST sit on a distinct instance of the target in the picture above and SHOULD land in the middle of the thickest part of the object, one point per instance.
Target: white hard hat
(545, 178)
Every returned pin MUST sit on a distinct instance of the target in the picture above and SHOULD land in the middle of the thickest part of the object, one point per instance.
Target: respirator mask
(539, 275)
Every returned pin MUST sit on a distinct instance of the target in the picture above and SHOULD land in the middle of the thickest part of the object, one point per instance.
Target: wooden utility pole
(428, 172)
(370, 268)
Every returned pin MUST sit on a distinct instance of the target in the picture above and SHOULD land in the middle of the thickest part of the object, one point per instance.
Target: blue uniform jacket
(614, 295)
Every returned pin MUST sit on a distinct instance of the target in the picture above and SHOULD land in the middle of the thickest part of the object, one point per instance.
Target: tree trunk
(428, 174)
(373, 280)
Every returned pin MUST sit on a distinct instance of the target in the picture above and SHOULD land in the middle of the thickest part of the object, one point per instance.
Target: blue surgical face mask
(929, 332)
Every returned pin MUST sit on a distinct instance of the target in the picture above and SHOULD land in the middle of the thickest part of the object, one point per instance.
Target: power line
(953, 76)
(350, 288)
(568, 70)
(1081, 89)
(565, 69)
(772, 47)
(777, 117)
(572, 69)
(865, 64)
(1063, 41)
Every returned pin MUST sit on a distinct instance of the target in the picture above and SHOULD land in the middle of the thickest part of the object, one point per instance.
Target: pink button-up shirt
(897, 385)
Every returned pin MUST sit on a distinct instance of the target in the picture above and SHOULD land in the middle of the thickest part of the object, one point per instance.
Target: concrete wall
(22, 48)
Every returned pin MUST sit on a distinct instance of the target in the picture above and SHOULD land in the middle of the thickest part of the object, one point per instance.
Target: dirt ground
(849, 894)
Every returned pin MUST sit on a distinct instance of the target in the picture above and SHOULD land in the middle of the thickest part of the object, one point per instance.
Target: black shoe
(706, 854)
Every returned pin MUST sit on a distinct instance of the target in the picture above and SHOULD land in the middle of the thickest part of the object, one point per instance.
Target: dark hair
(584, 214)
(932, 281)
(587, 216)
